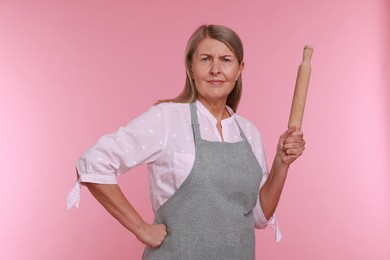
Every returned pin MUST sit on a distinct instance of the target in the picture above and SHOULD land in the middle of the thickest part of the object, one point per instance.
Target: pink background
(71, 71)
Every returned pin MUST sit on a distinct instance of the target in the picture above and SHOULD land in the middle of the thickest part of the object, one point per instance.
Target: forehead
(213, 47)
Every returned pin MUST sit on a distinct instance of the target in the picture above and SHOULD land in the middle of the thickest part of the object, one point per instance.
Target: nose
(215, 68)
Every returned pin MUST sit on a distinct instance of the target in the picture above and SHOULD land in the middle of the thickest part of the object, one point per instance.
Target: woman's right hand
(113, 199)
(152, 235)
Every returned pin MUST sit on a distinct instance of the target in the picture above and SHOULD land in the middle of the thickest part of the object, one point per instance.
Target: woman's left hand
(290, 146)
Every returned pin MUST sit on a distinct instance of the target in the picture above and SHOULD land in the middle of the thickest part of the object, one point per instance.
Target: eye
(205, 58)
(225, 59)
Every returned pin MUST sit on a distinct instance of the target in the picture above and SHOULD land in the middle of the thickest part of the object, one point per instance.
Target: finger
(293, 145)
(297, 133)
(296, 146)
(289, 131)
(166, 231)
(295, 152)
(294, 139)
(285, 135)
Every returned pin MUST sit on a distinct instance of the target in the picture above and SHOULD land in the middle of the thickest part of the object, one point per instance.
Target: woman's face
(214, 69)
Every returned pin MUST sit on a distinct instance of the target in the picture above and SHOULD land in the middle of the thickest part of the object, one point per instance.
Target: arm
(115, 154)
(113, 200)
(290, 147)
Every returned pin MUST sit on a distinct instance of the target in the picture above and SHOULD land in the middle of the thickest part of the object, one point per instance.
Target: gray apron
(210, 215)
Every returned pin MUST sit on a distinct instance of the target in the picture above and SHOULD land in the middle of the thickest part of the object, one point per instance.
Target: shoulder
(158, 114)
(170, 106)
(246, 124)
(170, 109)
(250, 130)
(255, 140)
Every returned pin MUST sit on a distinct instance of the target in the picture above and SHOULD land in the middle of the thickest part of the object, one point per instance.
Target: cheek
(231, 72)
(198, 73)
(232, 75)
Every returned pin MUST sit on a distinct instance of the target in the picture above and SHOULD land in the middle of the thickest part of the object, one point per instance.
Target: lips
(215, 82)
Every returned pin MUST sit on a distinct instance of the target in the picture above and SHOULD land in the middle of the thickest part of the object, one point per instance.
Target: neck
(217, 109)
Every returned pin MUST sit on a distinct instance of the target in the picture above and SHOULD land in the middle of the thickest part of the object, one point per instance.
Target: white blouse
(163, 138)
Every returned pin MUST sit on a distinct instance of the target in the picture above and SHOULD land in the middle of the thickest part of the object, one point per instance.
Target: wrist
(280, 164)
(139, 229)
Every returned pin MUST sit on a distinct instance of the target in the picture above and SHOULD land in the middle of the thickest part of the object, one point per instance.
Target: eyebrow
(222, 56)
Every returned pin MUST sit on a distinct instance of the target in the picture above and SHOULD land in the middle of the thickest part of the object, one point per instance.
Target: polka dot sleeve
(140, 141)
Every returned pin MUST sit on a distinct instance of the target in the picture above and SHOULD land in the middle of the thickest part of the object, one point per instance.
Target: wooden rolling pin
(300, 92)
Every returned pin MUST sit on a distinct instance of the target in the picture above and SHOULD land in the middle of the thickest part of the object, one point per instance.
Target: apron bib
(210, 215)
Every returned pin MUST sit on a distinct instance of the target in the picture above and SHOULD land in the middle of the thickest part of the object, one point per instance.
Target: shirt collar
(202, 109)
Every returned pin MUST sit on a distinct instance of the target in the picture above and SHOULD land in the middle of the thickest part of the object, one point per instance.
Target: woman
(208, 178)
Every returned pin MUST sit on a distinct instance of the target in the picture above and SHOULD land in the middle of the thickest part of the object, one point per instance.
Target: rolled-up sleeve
(140, 141)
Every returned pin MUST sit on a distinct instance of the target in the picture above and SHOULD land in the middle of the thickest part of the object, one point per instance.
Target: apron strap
(241, 132)
(194, 121)
(195, 124)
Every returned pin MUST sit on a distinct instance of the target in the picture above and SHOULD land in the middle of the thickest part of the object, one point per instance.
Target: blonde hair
(230, 39)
